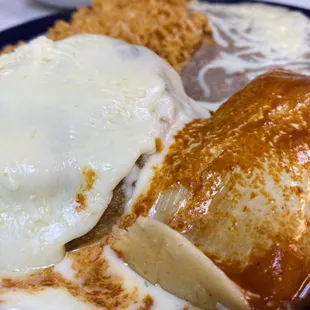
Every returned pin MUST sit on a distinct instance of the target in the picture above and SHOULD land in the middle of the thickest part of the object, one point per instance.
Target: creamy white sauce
(87, 102)
(255, 38)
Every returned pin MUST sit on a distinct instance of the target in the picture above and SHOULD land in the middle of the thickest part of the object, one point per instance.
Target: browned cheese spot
(148, 302)
(99, 287)
(159, 145)
(90, 178)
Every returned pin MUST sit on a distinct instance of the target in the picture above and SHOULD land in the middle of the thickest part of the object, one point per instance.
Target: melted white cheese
(255, 38)
(59, 298)
(48, 299)
(87, 102)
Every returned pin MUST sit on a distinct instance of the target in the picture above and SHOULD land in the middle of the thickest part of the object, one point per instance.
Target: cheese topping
(75, 116)
(92, 291)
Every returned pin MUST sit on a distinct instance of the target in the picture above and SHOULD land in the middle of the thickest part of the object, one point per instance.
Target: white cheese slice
(75, 115)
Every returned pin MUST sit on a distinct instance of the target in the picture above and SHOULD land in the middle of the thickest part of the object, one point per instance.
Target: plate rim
(31, 29)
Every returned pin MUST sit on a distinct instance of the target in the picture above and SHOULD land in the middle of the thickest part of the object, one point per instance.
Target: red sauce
(246, 173)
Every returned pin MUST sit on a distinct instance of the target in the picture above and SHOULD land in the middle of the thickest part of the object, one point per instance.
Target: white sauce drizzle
(254, 38)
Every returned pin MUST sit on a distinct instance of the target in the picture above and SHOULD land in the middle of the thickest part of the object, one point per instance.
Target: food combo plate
(222, 222)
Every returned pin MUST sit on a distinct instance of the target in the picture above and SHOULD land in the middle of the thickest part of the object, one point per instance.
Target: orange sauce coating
(246, 171)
